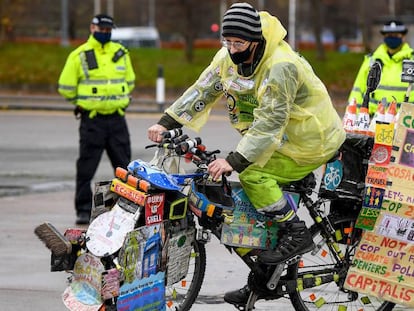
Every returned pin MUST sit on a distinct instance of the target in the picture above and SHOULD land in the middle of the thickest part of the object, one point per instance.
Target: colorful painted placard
(373, 197)
(383, 265)
(87, 279)
(143, 294)
(249, 228)
(376, 176)
(367, 218)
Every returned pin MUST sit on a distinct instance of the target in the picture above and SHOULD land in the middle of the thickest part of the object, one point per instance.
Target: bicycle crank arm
(274, 279)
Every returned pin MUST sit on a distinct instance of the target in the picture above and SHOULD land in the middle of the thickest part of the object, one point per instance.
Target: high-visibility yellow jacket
(390, 85)
(282, 107)
(94, 79)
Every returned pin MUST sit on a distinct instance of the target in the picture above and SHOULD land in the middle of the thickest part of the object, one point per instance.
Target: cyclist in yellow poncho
(288, 124)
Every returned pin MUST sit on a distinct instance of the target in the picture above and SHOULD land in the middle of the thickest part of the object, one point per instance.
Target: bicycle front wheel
(181, 295)
(320, 277)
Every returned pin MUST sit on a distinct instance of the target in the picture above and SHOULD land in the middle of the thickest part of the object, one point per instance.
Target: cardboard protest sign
(383, 265)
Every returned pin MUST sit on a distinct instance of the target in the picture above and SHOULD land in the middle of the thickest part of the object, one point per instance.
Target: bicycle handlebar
(182, 145)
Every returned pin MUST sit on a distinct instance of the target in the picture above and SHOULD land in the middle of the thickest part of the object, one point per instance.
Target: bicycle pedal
(240, 307)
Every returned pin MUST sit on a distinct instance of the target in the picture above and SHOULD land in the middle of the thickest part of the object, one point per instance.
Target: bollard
(160, 88)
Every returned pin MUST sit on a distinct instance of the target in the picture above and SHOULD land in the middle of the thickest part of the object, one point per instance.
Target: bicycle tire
(329, 296)
(182, 295)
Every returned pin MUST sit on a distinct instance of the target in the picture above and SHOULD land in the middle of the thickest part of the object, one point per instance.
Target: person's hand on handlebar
(219, 167)
(155, 131)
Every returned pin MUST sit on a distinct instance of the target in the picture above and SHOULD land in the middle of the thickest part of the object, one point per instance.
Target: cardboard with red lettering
(382, 265)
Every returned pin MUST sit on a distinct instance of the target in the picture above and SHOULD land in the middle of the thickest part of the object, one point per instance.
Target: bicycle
(126, 208)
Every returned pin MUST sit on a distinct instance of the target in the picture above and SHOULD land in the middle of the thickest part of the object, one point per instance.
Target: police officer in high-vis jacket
(97, 79)
(283, 112)
(390, 54)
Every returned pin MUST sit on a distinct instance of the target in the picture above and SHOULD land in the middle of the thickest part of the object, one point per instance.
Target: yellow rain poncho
(283, 111)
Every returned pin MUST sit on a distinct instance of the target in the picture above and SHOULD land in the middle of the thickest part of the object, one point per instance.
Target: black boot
(238, 297)
(294, 239)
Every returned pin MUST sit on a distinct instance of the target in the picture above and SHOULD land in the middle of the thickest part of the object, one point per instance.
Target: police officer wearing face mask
(283, 112)
(390, 54)
(97, 79)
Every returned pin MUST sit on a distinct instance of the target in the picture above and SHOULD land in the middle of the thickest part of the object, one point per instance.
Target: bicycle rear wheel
(182, 295)
(320, 277)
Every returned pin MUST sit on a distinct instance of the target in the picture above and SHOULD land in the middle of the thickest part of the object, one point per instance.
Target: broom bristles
(53, 239)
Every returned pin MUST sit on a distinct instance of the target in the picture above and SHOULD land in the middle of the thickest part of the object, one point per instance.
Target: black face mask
(393, 42)
(102, 37)
(241, 57)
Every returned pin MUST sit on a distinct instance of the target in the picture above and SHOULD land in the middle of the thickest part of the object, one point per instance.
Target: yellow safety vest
(390, 85)
(98, 78)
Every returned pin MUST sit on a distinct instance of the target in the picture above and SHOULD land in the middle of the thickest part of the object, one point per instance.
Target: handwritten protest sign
(383, 265)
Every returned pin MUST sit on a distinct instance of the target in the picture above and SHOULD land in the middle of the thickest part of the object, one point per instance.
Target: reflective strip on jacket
(390, 85)
(103, 90)
(282, 106)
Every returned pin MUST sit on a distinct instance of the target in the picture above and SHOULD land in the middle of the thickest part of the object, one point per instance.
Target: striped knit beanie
(242, 21)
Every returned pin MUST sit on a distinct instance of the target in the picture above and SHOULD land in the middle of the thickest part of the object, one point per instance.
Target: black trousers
(103, 132)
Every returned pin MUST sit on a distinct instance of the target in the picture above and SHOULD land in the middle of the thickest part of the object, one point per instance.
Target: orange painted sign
(128, 192)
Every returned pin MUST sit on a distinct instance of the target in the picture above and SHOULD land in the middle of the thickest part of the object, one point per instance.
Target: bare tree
(187, 19)
(317, 28)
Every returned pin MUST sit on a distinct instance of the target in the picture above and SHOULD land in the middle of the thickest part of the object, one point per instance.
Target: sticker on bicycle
(384, 133)
(397, 227)
(333, 175)
(154, 208)
(367, 218)
(380, 155)
(376, 176)
(128, 192)
(373, 197)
